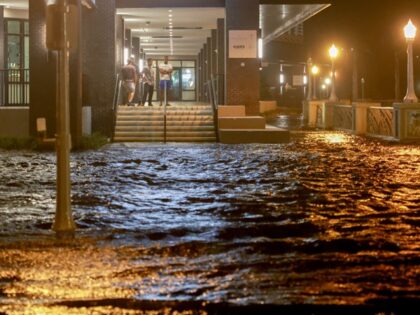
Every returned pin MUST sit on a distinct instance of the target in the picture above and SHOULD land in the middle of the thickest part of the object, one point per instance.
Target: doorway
(184, 85)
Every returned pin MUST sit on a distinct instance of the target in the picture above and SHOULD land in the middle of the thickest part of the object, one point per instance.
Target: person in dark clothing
(129, 76)
(148, 78)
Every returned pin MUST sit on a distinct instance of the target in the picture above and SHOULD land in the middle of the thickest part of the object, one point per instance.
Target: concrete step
(247, 122)
(168, 139)
(149, 134)
(168, 113)
(168, 118)
(157, 107)
(161, 128)
(126, 123)
(184, 124)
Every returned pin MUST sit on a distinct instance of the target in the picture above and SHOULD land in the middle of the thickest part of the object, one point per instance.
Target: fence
(397, 122)
(379, 121)
(14, 87)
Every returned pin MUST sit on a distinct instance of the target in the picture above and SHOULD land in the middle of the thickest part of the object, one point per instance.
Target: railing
(213, 99)
(14, 87)
(117, 95)
(343, 117)
(165, 101)
(379, 121)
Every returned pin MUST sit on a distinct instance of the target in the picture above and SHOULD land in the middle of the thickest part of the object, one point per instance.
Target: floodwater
(326, 224)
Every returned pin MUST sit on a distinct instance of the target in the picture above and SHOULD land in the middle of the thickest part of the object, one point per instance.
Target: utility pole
(59, 40)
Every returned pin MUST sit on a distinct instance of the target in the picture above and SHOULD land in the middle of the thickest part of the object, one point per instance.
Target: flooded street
(327, 219)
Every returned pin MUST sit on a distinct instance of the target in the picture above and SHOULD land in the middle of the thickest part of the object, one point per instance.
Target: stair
(184, 123)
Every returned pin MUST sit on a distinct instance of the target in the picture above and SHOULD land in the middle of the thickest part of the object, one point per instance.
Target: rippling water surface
(327, 219)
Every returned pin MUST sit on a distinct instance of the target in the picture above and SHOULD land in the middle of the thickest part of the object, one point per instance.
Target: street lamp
(315, 71)
(410, 34)
(333, 51)
(362, 80)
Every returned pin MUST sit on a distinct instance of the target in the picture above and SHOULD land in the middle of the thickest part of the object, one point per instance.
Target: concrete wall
(16, 14)
(14, 122)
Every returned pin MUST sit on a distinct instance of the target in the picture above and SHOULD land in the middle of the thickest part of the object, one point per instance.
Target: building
(205, 39)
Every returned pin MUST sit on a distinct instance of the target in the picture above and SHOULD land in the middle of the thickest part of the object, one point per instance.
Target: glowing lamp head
(410, 31)
(315, 70)
(327, 81)
(333, 52)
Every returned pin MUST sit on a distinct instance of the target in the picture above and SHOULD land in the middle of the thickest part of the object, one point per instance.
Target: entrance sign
(298, 80)
(243, 44)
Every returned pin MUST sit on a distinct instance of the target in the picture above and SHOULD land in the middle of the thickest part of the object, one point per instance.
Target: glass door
(176, 85)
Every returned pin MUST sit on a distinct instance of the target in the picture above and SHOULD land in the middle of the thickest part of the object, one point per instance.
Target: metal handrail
(117, 91)
(164, 112)
(214, 104)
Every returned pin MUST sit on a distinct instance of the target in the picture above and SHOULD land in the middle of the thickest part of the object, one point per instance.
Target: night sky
(375, 30)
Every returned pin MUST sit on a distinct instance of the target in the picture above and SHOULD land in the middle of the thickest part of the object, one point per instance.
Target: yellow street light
(333, 51)
(410, 34)
(327, 81)
(315, 70)
(410, 31)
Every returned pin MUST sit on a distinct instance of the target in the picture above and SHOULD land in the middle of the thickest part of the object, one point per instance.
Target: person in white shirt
(165, 70)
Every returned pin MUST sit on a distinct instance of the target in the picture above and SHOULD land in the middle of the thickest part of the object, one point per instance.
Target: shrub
(92, 142)
(9, 143)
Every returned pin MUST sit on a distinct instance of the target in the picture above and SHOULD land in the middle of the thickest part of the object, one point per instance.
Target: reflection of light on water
(336, 138)
(409, 151)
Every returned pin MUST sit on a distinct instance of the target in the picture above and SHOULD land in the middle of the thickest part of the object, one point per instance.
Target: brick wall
(242, 75)
(42, 70)
(99, 68)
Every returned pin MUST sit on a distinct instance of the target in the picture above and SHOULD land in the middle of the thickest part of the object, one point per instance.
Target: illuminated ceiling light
(132, 19)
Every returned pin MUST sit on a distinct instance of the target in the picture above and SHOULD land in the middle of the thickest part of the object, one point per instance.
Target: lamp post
(315, 71)
(410, 34)
(59, 17)
(362, 81)
(327, 83)
(333, 51)
(309, 66)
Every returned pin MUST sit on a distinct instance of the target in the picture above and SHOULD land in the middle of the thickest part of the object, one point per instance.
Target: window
(15, 90)
(17, 43)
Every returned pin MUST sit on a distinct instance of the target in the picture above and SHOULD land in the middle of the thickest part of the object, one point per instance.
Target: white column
(410, 97)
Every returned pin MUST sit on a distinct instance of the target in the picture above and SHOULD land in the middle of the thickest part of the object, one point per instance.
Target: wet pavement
(326, 224)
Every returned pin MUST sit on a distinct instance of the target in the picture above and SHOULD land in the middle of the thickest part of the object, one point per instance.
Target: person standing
(129, 76)
(148, 78)
(165, 84)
